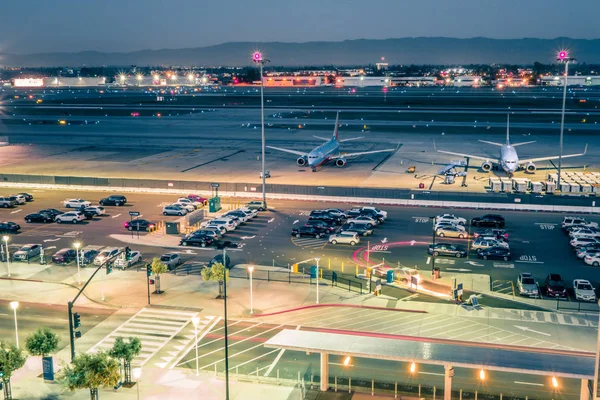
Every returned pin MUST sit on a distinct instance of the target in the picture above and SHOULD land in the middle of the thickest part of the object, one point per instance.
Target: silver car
(527, 285)
(482, 243)
(350, 238)
(28, 251)
(171, 260)
(174, 209)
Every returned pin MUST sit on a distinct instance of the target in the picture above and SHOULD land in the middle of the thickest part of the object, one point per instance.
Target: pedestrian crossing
(155, 328)
(309, 242)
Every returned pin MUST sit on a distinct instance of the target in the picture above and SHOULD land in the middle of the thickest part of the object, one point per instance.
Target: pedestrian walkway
(155, 328)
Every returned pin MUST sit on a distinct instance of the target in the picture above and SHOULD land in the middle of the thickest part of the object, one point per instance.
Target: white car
(76, 203)
(362, 220)
(482, 243)
(98, 210)
(584, 291)
(134, 257)
(592, 259)
(253, 213)
(446, 224)
(225, 222)
(186, 206)
(219, 228)
(105, 254)
(584, 232)
(187, 202)
(174, 209)
(71, 216)
(571, 221)
(450, 218)
(19, 198)
(577, 242)
(350, 238)
(583, 252)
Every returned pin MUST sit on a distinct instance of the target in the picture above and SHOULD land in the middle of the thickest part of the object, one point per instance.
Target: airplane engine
(486, 166)
(340, 162)
(301, 161)
(530, 167)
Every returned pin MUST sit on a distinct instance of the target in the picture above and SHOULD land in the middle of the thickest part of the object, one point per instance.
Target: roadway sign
(215, 185)
(134, 213)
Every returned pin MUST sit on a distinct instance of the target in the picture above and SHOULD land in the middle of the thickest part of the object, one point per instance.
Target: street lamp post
(5, 239)
(258, 59)
(317, 259)
(77, 245)
(433, 255)
(563, 56)
(195, 321)
(251, 270)
(14, 305)
(137, 374)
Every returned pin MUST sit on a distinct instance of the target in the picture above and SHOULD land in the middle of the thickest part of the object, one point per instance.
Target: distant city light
(191, 77)
(140, 77)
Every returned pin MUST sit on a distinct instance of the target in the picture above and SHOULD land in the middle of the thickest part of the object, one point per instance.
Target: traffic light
(77, 334)
(76, 320)
(148, 269)
(151, 282)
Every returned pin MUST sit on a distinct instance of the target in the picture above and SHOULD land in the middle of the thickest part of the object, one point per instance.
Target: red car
(197, 198)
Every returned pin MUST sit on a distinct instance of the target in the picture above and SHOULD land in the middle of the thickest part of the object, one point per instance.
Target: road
(538, 245)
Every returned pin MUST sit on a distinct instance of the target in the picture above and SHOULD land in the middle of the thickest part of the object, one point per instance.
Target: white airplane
(328, 151)
(509, 160)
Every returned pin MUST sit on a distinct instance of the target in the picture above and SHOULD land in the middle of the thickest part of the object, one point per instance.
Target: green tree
(42, 342)
(216, 273)
(126, 351)
(90, 371)
(158, 268)
(11, 359)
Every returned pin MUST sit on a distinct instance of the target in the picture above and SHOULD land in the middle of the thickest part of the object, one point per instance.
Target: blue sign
(134, 213)
(48, 368)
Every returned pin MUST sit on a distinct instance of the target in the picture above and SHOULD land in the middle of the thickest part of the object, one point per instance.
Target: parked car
(134, 257)
(491, 220)
(139, 225)
(584, 232)
(64, 256)
(495, 253)
(256, 205)
(450, 231)
(578, 242)
(555, 287)
(447, 249)
(76, 203)
(243, 217)
(482, 243)
(189, 207)
(495, 233)
(311, 231)
(198, 199)
(96, 210)
(588, 250)
(219, 259)
(336, 212)
(213, 233)
(186, 201)
(592, 259)
(361, 230)
(374, 213)
(320, 224)
(526, 285)
(363, 220)
(6, 202)
(71, 216)
(584, 291)
(27, 252)
(28, 197)
(227, 223)
(248, 211)
(220, 228)
(171, 260)
(87, 256)
(446, 224)
(570, 221)
(105, 254)
(196, 240)
(174, 209)
(19, 198)
(350, 238)
(9, 227)
(321, 215)
(450, 218)
(38, 217)
(113, 200)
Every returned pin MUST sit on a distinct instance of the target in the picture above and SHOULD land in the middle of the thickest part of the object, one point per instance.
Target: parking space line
(444, 327)
(255, 358)
(274, 363)
(232, 333)
(230, 356)
(467, 333)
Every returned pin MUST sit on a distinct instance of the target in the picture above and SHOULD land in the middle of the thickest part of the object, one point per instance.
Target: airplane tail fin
(335, 131)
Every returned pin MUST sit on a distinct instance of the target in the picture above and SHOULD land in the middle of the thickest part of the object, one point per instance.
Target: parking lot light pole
(433, 255)
(317, 259)
(563, 57)
(257, 58)
(137, 374)
(251, 270)
(77, 245)
(5, 239)
(596, 365)
(14, 305)
(195, 321)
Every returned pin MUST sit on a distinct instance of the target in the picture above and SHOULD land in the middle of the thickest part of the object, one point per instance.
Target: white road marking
(17, 211)
(412, 242)
(544, 223)
(459, 269)
(526, 329)
(277, 358)
(247, 237)
(271, 220)
(428, 260)
(51, 240)
(116, 216)
(296, 221)
(49, 248)
(474, 263)
(529, 383)
(530, 262)
(384, 240)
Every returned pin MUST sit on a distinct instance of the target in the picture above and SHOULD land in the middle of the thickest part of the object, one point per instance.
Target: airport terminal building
(573, 80)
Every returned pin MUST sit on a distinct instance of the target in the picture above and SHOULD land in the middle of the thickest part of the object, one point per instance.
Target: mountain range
(419, 50)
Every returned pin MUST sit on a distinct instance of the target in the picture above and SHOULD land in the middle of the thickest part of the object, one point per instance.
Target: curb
(340, 306)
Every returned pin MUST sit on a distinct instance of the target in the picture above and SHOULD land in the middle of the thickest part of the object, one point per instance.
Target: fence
(580, 306)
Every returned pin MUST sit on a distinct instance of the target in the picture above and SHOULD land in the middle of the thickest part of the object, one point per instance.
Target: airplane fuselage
(509, 160)
(321, 154)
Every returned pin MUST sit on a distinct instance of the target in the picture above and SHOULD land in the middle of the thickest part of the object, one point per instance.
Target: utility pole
(563, 56)
(225, 330)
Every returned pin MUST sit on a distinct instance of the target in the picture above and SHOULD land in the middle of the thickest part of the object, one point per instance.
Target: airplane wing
(467, 155)
(346, 155)
(533, 160)
(298, 153)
